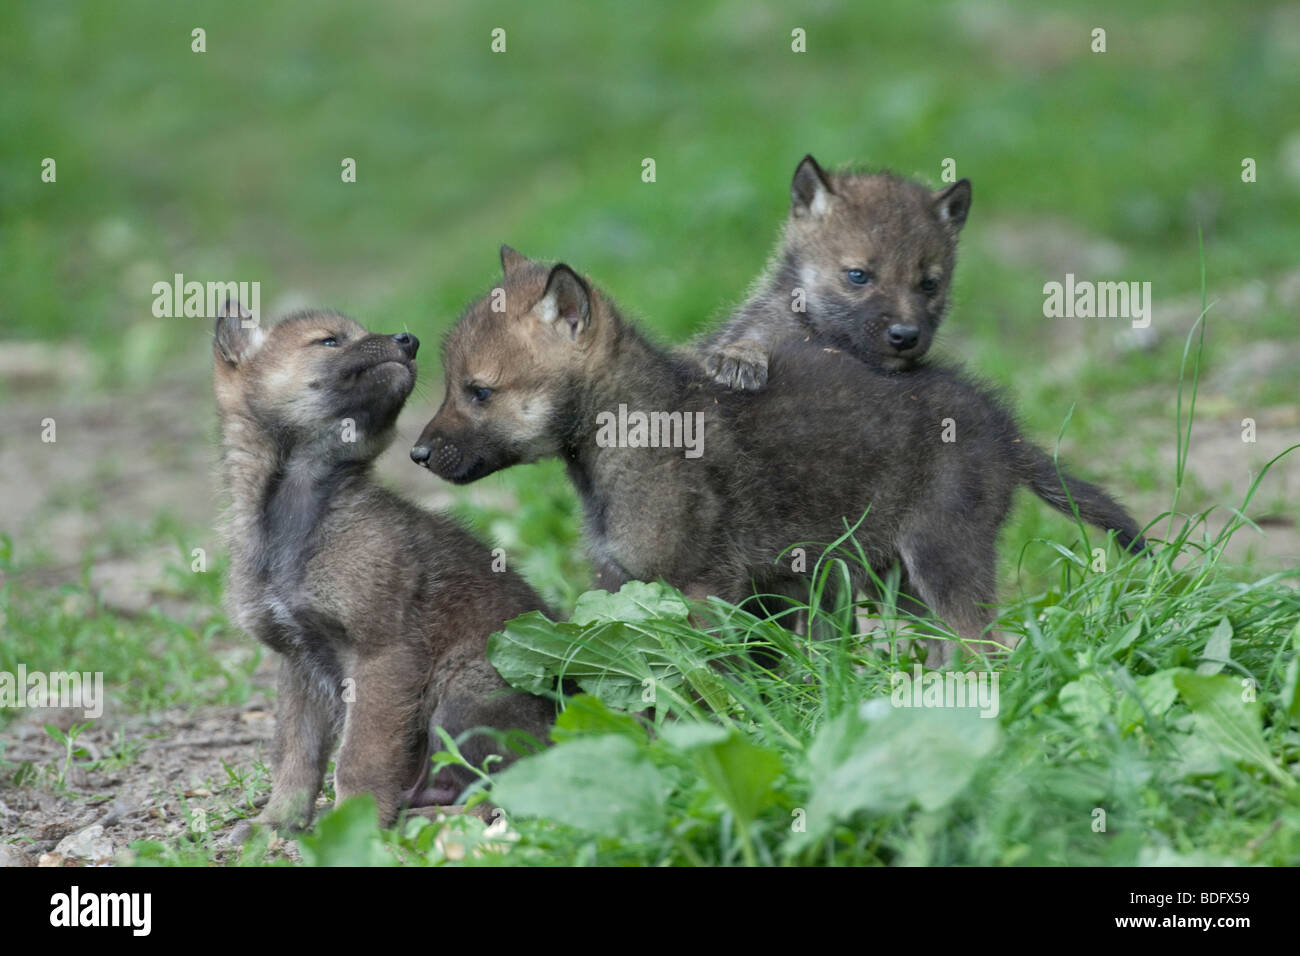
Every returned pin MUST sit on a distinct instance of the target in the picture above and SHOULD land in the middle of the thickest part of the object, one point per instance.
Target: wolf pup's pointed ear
(566, 303)
(237, 336)
(512, 261)
(953, 203)
(810, 191)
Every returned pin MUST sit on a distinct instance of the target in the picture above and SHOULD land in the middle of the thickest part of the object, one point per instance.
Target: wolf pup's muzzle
(437, 454)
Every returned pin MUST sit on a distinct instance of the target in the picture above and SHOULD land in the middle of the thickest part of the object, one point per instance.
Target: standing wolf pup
(773, 468)
(381, 611)
(865, 264)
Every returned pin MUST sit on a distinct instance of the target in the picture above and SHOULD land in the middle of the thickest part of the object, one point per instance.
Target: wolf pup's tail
(1094, 505)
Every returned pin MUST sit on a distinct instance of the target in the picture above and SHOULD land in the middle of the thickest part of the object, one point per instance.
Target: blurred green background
(228, 162)
(226, 165)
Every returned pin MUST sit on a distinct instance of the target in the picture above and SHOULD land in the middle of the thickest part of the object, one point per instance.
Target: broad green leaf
(884, 759)
(1218, 649)
(1157, 693)
(1197, 757)
(634, 601)
(587, 716)
(625, 661)
(691, 736)
(1088, 700)
(710, 687)
(741, 773)
(1229, 723)
(604, 785)
(348, 835)
(611, 661)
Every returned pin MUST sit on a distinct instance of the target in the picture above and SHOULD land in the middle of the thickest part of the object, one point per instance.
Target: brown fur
(896, 235)
(782, 466)
(381, 611)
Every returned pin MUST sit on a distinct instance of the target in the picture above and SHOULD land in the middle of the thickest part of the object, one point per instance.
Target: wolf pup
(381, 611)
(707, 488)
(865, 264)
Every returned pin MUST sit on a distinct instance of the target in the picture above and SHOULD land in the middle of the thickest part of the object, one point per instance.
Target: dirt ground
(182, 767)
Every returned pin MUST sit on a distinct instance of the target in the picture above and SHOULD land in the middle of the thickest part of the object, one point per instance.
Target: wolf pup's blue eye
(929, 286)
(859, 276)
(480, 393)
(331, 342)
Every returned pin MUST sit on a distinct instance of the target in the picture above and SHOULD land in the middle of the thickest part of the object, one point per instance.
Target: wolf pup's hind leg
(957, 584)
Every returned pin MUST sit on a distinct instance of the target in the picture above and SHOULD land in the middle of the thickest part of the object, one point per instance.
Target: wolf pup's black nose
(408, 343)
(902, 337)
(420, 454)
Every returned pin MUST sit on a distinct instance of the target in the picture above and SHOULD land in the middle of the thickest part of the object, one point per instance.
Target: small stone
(87, 844)
(240, 833)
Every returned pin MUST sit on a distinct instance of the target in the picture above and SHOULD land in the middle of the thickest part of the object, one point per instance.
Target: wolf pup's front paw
(741, 365)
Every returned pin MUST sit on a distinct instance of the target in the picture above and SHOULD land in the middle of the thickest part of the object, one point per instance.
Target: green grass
(227, 162)
(151, 661)
(1148, 716)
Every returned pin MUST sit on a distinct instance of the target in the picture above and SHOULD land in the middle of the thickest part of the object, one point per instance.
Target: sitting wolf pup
(865, 264)
(381, 611)
(707, 488)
